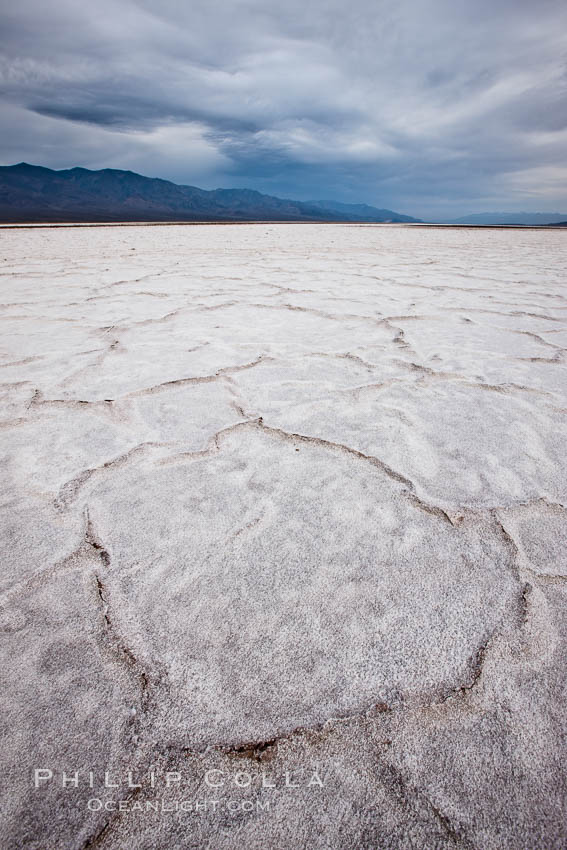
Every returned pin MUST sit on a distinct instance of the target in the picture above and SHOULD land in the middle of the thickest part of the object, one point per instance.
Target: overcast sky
(429, 107)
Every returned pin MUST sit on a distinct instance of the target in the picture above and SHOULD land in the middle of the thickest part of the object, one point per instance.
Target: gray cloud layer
(427, 106)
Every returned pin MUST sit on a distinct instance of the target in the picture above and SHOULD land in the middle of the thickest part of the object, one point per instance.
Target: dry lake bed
(284, 538)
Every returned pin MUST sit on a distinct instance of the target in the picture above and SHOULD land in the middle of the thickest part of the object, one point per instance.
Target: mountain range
(31, 193)
(525, 218)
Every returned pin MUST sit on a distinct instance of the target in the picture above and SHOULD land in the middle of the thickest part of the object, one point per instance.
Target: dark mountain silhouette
(361, 212)
(31, 193)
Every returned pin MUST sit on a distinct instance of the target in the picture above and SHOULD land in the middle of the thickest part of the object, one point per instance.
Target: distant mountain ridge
(364, 212)
(524, 218)
(32, 193)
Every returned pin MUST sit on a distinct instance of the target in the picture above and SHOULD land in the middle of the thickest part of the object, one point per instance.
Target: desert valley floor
(284, 538)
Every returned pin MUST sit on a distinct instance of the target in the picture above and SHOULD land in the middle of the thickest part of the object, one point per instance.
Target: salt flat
(284, 499)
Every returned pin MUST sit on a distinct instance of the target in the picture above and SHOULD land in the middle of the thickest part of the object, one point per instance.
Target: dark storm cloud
(428, 106)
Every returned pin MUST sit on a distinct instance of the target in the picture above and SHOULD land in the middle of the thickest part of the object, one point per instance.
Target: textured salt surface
(285, 499)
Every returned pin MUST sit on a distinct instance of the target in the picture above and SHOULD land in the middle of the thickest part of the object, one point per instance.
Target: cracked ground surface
(284, 501)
